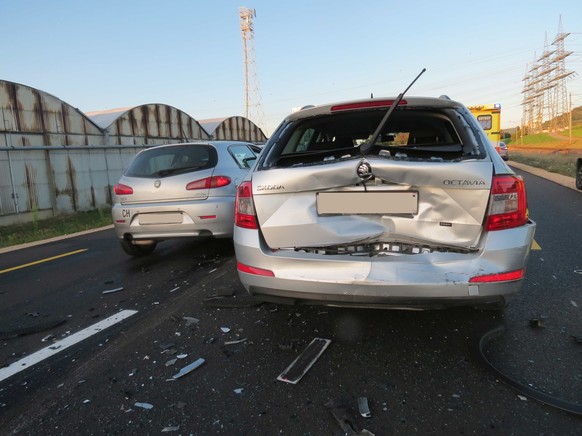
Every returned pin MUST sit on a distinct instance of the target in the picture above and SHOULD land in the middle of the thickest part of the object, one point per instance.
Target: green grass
(49, 228)
(538, 139)
(553, 162)
(576, 132)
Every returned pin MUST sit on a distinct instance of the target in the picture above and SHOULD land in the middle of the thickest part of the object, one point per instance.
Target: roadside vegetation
(553, 162)
(44, 229)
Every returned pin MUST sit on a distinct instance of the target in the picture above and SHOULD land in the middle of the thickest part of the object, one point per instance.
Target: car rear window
(166, 161)
(409, 134)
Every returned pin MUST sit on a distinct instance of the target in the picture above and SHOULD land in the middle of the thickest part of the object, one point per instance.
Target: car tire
(137, 250)
(579, 173)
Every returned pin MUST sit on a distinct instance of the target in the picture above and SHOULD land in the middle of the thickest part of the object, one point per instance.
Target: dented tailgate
(441, 203)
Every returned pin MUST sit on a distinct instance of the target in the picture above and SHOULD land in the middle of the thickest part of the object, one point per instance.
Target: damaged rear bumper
(421, 281)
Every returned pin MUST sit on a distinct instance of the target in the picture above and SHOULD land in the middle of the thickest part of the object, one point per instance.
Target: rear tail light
(209, 182)
(365, 105)
(244, 210)
(120, 189)
(253, 270)
(499, 277)
(507, 204)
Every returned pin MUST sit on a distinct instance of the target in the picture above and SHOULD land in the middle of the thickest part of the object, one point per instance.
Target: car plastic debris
(111, 291)
(225, 329)
(295, 372)
(146, 406)
(187, 369)
(240, 341)
(346, 419)
(238, 391)
(574, 303)
(190, 321)
(364, 408)
(536, 322)
(170, 429)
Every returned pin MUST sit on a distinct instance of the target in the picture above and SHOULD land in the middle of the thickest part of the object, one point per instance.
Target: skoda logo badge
(364, 171)
(157, 183)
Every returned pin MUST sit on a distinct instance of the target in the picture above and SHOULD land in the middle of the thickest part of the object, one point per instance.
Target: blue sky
(98, 55)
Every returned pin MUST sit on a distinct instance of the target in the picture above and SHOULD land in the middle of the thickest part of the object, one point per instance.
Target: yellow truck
(489, 116)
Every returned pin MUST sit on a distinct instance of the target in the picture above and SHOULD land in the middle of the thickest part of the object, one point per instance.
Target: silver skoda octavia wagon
(367, 205)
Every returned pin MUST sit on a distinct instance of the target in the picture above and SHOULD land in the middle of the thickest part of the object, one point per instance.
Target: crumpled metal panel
(453, 198)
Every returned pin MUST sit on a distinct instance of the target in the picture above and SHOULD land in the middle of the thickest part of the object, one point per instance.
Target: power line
(545, 94)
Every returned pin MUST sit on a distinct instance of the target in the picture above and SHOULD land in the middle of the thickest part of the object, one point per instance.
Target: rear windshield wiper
(368, 145)
(166, 172)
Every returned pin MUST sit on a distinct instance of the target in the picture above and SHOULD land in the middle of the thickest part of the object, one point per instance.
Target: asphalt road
(417, 369)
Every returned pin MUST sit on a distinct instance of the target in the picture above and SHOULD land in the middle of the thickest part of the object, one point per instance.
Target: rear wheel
(137, 250)
(579, 173)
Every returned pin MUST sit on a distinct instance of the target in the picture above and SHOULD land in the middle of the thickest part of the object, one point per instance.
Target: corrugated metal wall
(239, 129)
(49, 181)
(29, 117)
(54, 159)
(154, 124)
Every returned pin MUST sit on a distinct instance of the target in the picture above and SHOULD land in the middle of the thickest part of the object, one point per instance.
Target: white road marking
(63, 344)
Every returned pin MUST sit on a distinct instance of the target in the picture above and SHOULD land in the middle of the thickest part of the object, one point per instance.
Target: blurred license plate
(366, 203)
(160, 218)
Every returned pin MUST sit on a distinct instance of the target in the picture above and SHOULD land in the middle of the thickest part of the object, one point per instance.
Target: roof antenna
(367, 145)
(371, 95)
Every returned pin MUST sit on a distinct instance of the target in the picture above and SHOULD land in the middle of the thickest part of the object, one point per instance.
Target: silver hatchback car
(179, 191)
(352, 204)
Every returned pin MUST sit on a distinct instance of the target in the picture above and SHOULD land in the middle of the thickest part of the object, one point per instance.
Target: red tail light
(244, 210)
(365, 105)
(120, 189)
(209, 182)
(507, 204)
(253, 270)
(499, 277)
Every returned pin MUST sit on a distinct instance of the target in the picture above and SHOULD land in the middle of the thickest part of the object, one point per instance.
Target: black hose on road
(542, 397)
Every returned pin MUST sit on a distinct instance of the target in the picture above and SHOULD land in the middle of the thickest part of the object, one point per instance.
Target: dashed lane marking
(63, 344)
(48, 259)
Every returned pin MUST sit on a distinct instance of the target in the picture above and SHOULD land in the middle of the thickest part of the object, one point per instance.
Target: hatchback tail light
(209, 182)
(507, 204)
(120, 189)
(244, 210)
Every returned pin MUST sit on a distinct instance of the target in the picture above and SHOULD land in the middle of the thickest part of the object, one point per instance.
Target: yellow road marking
(535, 245)
(48, 259)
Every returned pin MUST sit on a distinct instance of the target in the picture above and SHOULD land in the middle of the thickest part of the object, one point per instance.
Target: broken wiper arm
(367, 145)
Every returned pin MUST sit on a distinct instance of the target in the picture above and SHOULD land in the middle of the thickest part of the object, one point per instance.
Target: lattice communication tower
(545, 94)
(253, 103)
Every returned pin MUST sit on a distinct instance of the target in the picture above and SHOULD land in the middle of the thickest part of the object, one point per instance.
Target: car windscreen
(409, 134)
(166, 161)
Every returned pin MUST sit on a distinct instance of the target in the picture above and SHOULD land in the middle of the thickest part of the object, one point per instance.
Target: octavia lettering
(460, 182)
(270, 187)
